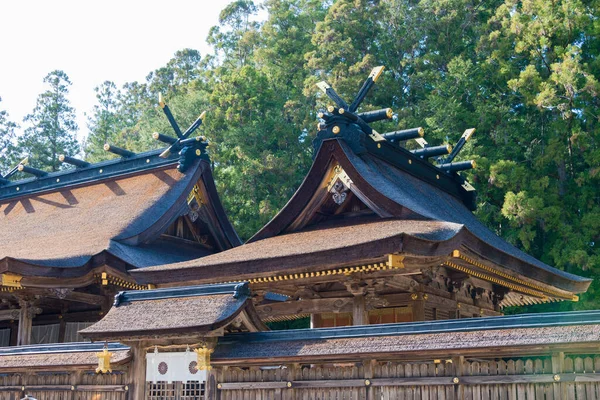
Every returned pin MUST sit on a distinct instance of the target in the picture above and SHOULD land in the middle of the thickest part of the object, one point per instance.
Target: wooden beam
(10, 315)
(310, 306)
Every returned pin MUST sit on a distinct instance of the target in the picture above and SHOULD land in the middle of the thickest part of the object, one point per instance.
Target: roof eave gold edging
(519, 285)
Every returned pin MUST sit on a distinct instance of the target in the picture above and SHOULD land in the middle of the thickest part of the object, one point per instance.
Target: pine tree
(52, 127)
(105, 122)
(7, 137)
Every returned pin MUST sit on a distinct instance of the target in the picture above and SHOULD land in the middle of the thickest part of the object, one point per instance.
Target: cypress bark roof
(59, 355)
(320, 245)
(396, 195)
(186, 311)
(421, 338)
(56, 225)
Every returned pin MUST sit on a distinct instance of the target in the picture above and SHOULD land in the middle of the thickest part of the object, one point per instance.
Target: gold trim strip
(395, 262)
(104, 279)
(562, 295)
(488, 278)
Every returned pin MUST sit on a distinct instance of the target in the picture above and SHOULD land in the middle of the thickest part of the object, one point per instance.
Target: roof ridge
(236, 289)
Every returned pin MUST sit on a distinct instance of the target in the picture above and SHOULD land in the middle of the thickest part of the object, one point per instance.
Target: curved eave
(226, 234)
(146, 228)
(114, 325)
(370, 179)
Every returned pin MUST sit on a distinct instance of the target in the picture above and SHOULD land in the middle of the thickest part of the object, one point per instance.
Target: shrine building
(125, 280)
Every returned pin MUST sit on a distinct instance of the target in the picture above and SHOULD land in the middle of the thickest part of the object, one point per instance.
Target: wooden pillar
(418, 307)
(75, 379)
(61, 329)
(459, 364)
(369, 367)
(211, 392)
(137, 371)
(359, 311)
(293, 373)
(558, 367)
(359, 307)
(25, 322)
(14, 333)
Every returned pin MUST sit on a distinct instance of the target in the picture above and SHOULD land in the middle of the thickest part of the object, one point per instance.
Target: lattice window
(161, 391)
(175, 391)
(192, 391)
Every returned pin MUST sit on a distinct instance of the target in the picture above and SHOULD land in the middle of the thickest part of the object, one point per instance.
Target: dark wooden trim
(414, 381)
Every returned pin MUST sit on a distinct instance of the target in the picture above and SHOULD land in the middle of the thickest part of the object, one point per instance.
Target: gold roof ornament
(11, 280)
(203, 361)
(104, 361)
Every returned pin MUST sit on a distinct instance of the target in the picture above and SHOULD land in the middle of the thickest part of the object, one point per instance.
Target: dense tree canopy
(523, 72)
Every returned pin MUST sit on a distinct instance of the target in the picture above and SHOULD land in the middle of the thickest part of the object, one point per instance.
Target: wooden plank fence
(73, 385)
(543, 378)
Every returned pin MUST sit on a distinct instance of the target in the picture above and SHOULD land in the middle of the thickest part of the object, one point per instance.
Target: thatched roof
(56, 225)
(408, 214)
(59, 356)
(173, 312)
(434, 338)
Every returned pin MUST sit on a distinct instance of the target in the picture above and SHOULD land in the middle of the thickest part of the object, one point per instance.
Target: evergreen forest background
(523, 72)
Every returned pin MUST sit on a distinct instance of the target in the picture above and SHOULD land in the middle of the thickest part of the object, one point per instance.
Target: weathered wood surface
(542, 378)
(67, 385)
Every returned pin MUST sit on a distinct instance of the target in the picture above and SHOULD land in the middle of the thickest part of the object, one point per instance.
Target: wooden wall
(544, 378)
(72, 385)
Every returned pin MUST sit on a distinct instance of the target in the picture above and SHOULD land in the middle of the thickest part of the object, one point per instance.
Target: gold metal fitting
(198, 152)
(161, 101)
(72, 387)
(425, 296)
(468, 133)
(414, 296)
(409, 161)
(376, 73)
(556, 378)
(473, 164)
(20, 167)
(335, 130)
(455, 380)
(61, 158)
(378, 145)
(155, 135)
(202, 115)
(389, 113)
(367, 382)
(421, 132)
(320, 115)
(106, 147)
(289, 384)
(341, 111)
(330, 109)
(219, 386)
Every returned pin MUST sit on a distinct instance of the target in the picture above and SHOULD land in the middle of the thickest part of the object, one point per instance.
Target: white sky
(93, 41)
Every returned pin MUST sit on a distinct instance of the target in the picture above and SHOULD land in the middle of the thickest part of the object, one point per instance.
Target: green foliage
(523, 72)
(7, 138)
(52, 127)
